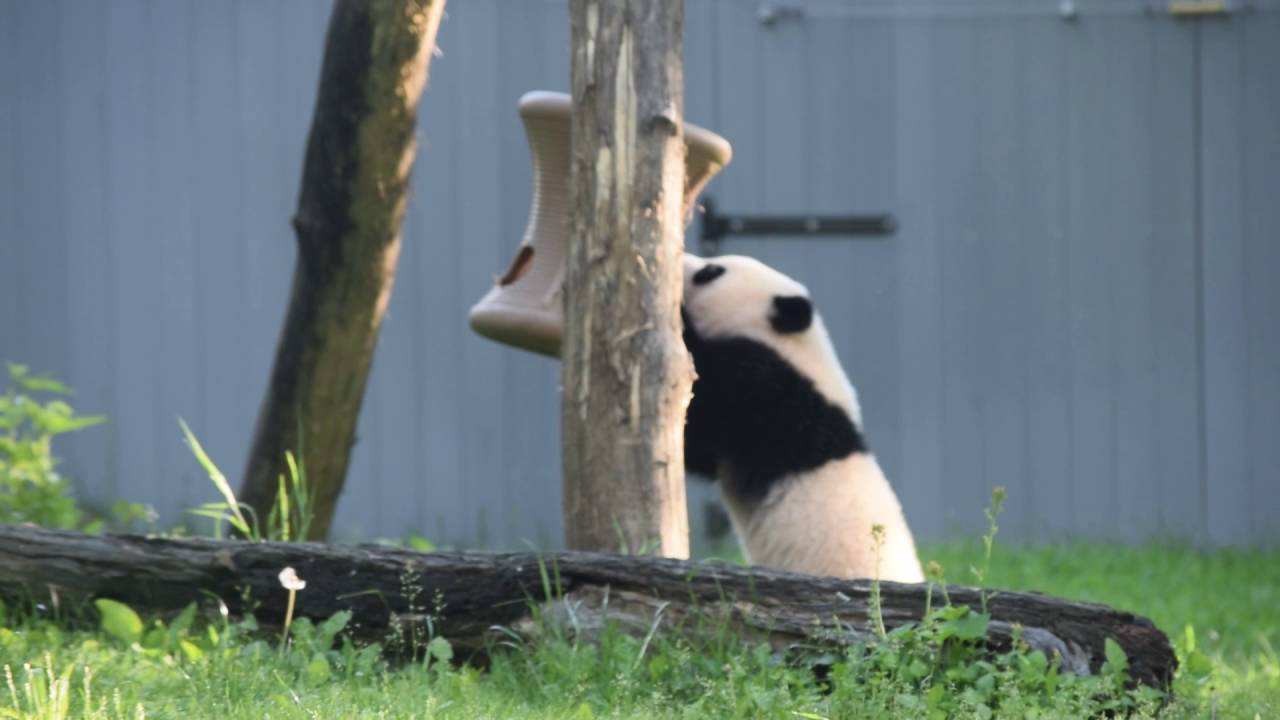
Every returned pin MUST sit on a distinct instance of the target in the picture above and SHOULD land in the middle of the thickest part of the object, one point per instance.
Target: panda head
(739, 296)
(734, 297)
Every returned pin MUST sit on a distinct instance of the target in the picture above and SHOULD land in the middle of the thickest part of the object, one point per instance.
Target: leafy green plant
(313, 650)
(119, 620)
(877, 547)
(230, 510)
(992, 512)
(290, 517)
(33, 411)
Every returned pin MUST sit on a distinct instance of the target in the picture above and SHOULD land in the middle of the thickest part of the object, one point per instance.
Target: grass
(1231, 599)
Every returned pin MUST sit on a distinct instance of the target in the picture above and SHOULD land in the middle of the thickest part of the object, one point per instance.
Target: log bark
(354, 190)
(468, 594)
(626, 375)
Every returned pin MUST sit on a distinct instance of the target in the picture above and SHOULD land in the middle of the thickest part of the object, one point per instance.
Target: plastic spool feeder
(523, 309)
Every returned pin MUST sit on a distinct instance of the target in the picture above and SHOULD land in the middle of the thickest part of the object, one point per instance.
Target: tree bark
(626, 374)
(475, 592)
(355, 183)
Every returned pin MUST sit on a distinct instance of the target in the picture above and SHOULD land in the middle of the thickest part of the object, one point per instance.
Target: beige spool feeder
(524, 308)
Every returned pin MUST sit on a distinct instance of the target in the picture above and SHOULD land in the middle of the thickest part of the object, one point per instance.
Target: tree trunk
(626, 374)
(470, 594)
(355, 183)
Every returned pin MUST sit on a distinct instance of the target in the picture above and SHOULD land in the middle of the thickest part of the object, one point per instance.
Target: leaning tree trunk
(355, 183)
(626, 374)
(476, 600)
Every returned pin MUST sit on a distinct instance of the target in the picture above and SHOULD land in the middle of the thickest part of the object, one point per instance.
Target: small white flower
(290, 581)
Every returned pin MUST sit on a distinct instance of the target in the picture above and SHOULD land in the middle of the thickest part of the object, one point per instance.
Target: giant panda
(775, 421)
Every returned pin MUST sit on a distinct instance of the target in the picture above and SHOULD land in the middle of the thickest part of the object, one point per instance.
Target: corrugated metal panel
(1261, 118)
(1078, 304)
(1241, 181)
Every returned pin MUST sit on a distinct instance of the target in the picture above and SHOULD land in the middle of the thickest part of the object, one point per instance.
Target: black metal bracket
(715, 227)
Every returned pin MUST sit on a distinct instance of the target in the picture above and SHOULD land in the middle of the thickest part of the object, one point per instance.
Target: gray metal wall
(1081, 303)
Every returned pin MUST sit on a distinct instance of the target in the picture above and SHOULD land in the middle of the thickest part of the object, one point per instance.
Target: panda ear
(791, 314)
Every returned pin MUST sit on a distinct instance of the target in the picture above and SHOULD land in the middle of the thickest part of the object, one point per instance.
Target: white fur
(817, 522)
(820, 523)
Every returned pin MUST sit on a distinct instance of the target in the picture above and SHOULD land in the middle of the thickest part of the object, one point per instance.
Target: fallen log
(466, 595)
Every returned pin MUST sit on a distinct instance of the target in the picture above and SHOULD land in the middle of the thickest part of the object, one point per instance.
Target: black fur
(756, 416)
(707, 273)
(791, 314)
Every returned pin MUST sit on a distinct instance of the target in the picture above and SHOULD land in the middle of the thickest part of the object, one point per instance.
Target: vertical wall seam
(1197, 110)
(1242, 182)
(1066, 76)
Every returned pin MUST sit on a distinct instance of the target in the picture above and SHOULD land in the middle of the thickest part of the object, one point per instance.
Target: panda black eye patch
(707, 274)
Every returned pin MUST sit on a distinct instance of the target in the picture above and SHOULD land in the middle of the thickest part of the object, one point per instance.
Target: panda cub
(776, 422)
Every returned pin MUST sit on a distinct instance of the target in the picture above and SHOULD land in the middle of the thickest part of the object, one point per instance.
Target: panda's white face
(735, 296)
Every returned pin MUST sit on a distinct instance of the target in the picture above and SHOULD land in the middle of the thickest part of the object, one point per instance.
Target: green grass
(1232, 599)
